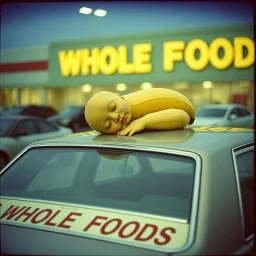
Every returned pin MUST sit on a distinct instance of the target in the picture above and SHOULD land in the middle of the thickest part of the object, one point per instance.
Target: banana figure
(152, 109)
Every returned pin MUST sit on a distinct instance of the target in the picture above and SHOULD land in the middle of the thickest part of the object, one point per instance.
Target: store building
(208, 65)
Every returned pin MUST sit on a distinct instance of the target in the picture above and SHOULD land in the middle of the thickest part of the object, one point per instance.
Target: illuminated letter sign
(110, 60)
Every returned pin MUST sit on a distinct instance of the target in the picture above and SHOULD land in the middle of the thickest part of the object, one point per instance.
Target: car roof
(189, 139)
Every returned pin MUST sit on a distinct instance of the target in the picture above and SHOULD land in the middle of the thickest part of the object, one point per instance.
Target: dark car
(31, 110)
(71, 117)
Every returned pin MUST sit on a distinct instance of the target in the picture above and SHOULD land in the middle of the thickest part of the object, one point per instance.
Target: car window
(245, 167)
(46, 127)
(5, 125)
(60, 168)
(236, 111)
(116, 179)
(13, 111)
(162, 165)
(211, 112)
(115, 170)
(244, 112)
(27, 126)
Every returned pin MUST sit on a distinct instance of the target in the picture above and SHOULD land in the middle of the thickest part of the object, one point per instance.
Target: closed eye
(108, 125)
(114, 107)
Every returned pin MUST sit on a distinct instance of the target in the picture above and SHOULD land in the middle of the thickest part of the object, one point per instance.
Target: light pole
(91, 13)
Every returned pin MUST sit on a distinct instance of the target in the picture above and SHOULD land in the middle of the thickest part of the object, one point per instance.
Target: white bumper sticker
(140, 231)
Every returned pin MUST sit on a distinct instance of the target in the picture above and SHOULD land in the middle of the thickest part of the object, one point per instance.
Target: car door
(25, 132)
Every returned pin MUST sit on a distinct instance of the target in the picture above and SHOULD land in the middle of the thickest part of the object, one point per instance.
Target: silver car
(181, 192)
(16, 132)
(232, 115)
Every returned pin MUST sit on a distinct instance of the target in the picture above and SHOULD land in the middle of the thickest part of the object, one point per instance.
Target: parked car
(72, 117)
(2, 109)
(31, 110)
(233, 115)
(187, 192)
(16, 132)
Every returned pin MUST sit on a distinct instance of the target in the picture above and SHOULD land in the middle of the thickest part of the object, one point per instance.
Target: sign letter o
(226, 61)
(131, 231)
(109, 67)
(190, 57)
(112, 228)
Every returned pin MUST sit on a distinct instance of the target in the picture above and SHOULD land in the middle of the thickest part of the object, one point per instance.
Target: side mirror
(232, 117)
(18, 134)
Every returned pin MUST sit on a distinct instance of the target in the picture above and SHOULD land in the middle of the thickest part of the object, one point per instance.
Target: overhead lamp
(207, 84)
(100, 12)
(85, 10)
(146, 85)
(121, 87)
(86, 88)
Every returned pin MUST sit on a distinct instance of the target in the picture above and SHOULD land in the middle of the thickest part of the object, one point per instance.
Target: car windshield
(5, 125)
(211, 112)
(152, 183)
(13, 111)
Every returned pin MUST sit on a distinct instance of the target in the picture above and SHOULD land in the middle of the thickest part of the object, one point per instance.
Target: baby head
(107, 112)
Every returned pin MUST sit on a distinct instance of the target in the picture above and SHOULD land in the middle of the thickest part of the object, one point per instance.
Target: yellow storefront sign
(85, 62)
(233, 53)
(110, 60)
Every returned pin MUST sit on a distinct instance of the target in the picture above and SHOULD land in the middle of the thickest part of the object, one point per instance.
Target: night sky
(37, 24)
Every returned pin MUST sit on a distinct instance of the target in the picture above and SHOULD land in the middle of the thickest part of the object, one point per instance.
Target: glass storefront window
(220, 93)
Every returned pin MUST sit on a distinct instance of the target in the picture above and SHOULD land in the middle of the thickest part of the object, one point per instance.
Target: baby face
(106, 112)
